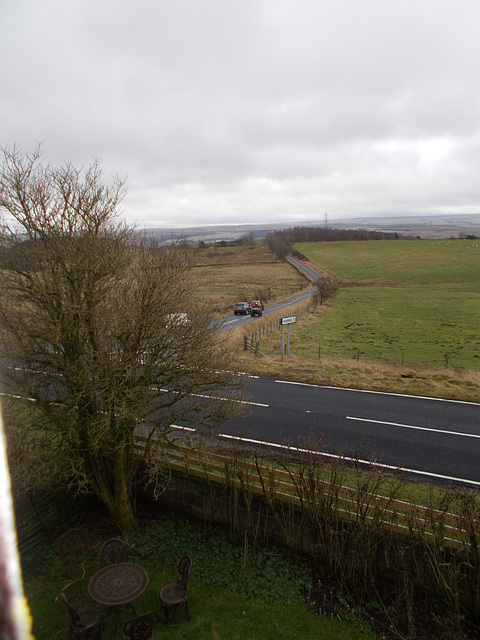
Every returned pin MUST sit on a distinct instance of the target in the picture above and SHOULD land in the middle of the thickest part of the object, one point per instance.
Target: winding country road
(433, 439)
(232, 322)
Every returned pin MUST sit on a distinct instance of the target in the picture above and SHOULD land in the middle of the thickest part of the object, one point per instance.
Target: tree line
(280, 242)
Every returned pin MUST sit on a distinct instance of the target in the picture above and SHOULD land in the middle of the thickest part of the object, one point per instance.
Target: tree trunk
(115, 494)
(122, 513)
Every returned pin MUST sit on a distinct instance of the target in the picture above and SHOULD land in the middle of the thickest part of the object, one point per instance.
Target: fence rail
(309, 491)
(41, 517)
(250, 344)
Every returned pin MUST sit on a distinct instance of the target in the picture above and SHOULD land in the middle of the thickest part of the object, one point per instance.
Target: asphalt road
(433, 439)
(236, 321)
(233, 321)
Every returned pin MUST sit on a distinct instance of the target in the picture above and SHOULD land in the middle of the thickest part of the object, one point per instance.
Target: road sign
(288, 320)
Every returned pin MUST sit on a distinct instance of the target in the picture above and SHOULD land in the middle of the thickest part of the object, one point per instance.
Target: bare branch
(104, 333)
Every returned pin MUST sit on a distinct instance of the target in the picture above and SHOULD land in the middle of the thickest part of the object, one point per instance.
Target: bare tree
(102, 331)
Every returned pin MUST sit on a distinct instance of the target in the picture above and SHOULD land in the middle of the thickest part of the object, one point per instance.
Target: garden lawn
(234, 592)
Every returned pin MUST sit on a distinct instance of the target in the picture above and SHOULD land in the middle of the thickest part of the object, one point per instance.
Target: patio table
(118, 585)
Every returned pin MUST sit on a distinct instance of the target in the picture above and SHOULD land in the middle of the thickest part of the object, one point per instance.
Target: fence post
(245, 343)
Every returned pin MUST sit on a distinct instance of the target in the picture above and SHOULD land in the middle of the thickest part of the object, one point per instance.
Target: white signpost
(286, 320)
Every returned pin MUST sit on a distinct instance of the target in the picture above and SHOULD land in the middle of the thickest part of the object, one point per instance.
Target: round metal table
(118, 585)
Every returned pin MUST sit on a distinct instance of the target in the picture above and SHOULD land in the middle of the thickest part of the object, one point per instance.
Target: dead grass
(224, 278)
(236, 255)
(435, 383)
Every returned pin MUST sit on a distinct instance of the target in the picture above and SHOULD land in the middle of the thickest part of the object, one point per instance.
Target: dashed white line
(180, 428)
(411, 426)
(200, 395)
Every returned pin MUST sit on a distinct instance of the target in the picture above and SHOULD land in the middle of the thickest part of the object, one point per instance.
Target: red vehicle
(256, 308)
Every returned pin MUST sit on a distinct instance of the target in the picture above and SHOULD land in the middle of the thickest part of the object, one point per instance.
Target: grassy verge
(234, 592)
(349, 374)
(315, 368)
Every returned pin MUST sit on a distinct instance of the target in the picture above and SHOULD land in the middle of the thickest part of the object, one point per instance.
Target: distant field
(412, 301)
(399, 261)
(230, 276)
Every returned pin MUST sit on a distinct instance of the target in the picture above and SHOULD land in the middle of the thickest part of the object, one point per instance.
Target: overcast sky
(223, 112)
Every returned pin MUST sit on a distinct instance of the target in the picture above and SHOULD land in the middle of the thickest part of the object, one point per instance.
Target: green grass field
(416, 302)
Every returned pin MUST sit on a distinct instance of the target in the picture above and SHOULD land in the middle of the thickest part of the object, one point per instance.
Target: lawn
(234, 592)
(411, 302)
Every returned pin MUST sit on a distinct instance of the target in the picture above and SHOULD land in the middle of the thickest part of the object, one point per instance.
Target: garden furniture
(116, 586)
(175, 595)
(84, 621)
(140, 628)
(113, 551)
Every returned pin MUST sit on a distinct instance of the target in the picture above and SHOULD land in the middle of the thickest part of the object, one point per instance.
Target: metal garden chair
(175, 595)
(113, 551)
(83, 622)
(140, 628)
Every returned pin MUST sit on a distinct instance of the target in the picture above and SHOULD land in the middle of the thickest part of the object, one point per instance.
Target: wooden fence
(250, 344)
(40, 517)
(287, 485)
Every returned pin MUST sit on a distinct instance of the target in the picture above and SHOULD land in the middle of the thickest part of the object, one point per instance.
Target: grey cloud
(237, 112)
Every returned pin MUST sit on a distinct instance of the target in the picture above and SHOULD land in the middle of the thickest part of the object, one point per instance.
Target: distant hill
(440, 226)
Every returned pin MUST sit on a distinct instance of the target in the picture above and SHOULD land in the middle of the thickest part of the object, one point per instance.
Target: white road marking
(180, 428)
(15, 397)
(337, 457)
(411, 426)
(200, 395)
(381, 393)
(353, 460)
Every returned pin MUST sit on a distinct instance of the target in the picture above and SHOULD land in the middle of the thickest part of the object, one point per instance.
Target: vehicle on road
(176, 320)
(256, 308)
(241, 308)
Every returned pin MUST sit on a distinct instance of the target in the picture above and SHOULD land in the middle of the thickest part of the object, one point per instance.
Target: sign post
(286, 320)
